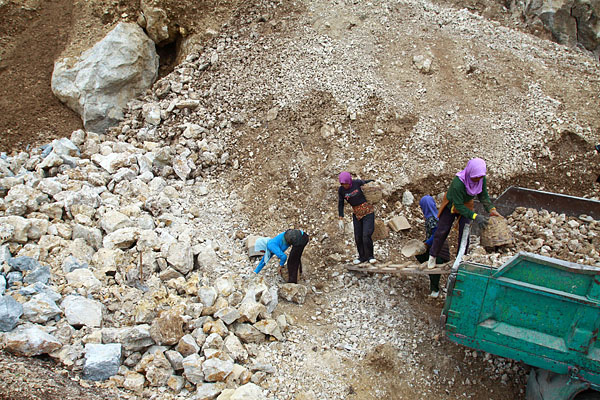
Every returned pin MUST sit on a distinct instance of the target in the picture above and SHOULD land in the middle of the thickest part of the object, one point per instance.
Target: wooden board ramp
(408, 268)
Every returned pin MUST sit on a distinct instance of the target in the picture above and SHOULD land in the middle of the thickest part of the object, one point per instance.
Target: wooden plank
(398, 269)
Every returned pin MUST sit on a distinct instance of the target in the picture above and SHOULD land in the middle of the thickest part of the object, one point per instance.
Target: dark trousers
(363, 229)
(443, 230)
(294, 262)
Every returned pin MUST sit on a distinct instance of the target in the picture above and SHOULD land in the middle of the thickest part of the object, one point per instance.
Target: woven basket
(373, 192)
(496, 233)
(381, 231)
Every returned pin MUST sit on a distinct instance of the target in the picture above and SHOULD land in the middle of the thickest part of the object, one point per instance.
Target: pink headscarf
(474, 169)
(345, 178)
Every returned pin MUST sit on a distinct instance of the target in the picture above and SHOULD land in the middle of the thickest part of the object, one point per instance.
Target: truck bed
(542, 311)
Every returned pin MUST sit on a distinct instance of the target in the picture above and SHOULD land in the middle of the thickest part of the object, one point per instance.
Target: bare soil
(31, 38)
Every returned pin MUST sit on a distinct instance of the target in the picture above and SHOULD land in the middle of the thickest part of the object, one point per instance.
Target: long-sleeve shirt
(430, 228)
(276, 246)
(457, 197)
(353, 195)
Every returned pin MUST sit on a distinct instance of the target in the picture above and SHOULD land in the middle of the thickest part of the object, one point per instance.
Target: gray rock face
(40, 274)
(10, 312)
(570, 21)
(23, 263)
(101, 361)
(98, 84)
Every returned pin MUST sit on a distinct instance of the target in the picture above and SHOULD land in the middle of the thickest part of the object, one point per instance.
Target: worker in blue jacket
(278, 245)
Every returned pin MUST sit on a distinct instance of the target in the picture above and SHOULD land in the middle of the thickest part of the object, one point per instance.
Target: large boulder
(99, 83)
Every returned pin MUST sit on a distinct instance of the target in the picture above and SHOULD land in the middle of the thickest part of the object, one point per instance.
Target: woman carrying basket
(458, 203)
(363, 215)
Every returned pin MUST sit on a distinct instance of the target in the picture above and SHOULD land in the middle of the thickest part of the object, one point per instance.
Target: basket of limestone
(373, 192)
(496, 233)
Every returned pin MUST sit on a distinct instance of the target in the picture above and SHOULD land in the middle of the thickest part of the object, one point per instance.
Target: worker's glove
(341, 224)
(283, 260)
(481, 220)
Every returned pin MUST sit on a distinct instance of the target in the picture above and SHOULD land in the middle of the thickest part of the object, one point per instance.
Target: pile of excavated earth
(123, 254)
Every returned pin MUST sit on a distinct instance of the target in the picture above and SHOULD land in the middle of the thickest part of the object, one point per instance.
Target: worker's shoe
(356, 262)
(434, 295)
(372, 261)
(431, 262)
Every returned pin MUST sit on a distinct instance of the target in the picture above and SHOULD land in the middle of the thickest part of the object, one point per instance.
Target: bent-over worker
(278, 245)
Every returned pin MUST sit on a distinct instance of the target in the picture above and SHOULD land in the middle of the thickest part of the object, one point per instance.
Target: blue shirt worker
(278, 245)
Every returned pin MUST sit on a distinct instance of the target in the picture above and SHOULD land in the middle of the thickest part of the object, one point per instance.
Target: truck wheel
(588, 395)
(547, 385)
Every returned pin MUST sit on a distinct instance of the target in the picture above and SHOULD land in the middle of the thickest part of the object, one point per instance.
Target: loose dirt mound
(31, 38)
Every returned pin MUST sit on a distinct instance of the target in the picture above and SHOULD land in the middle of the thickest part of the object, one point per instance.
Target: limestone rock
(101, 361)
(294, 293)
(81, 311)
(30, 341)
(10, 312)
(167, 329)
(98, 84)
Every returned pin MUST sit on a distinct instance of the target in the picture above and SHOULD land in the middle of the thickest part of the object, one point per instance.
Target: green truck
(542, 311)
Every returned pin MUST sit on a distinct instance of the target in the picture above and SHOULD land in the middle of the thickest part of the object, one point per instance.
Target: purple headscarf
(428, 207)
(474, 169)
(345, 178)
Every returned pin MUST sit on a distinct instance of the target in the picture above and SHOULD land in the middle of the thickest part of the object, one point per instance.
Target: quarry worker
(458, 202)
(278, 245)
(430, 213)
(363, 215)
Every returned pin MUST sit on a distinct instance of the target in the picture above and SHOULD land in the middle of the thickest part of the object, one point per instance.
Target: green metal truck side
(542, 311)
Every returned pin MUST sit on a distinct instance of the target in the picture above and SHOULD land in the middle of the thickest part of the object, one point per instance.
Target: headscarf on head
(428, 207)
(345, 178)
(474, 169)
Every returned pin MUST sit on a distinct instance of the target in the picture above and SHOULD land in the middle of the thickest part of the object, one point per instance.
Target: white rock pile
(105, 269)
(574, 239)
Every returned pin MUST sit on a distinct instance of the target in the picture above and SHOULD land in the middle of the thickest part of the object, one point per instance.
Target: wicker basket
(496, 233)
(373, 192)
(381, 231)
